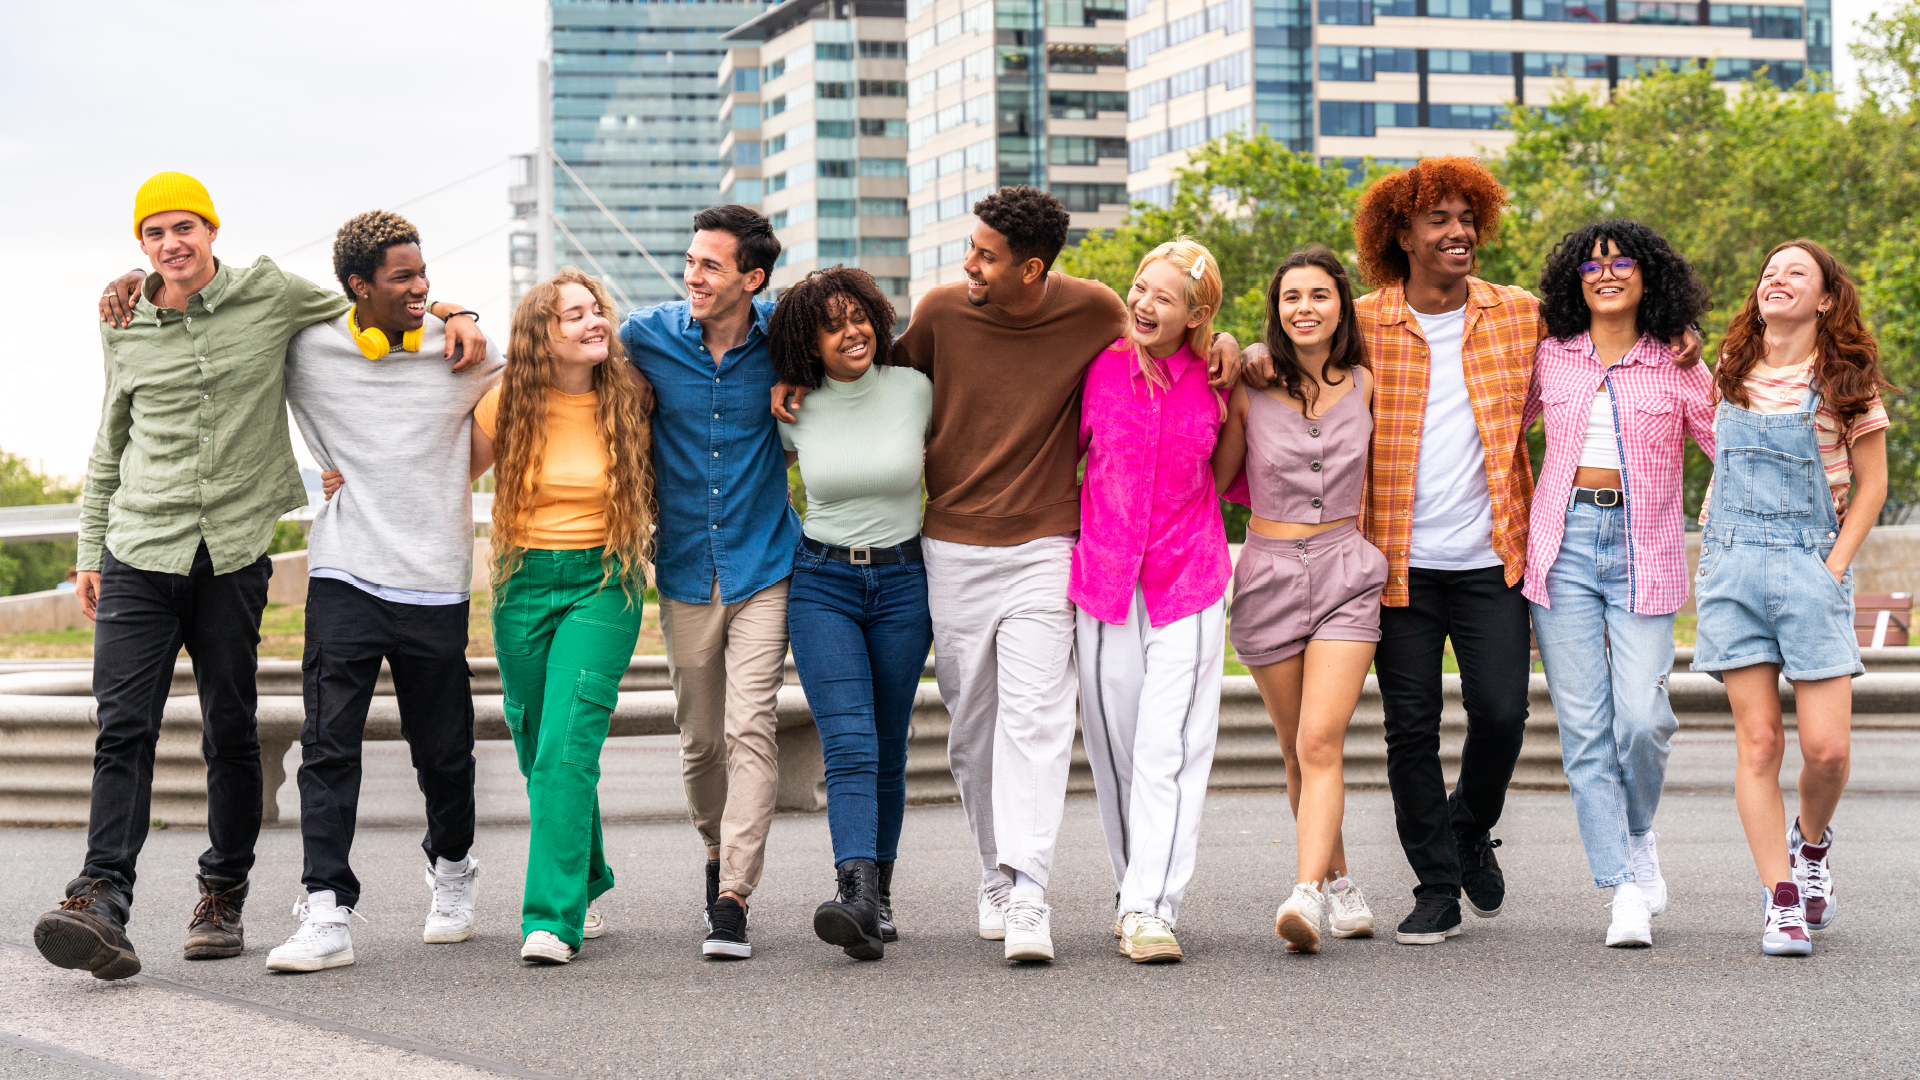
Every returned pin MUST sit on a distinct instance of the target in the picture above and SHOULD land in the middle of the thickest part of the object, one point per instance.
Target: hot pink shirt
(1656, 405)
(1148, 513)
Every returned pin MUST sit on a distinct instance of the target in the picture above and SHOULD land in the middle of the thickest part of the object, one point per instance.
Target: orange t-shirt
(570, 494)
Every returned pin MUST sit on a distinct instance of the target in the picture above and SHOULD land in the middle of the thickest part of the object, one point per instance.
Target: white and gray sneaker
(454, 885)
(993, 907)
(1029, 932)
(1299, 918)
(1347, 912)
(595, 925)
(544, 947)
(323, 940)
(1645, 851)
(1632, 924)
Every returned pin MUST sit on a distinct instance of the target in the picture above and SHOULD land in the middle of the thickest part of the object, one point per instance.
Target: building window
(774, 70)
(1566, 65)
(776, 183)
(1084, 59)
(1762, 20)
(746, 117)
(892, 286)
(777, 106)
(1481, 117)
(837, 91)
(837, 208)
(1141, 152)
(881, 88)
(1160, 195)
(1083, 149)
(777, 144)
(833, 129)
(1084, 104)
(883, 129)
(1466, 9)
(1083, 12)
(1349, 118)
(883, 166)
(1786, 74)
(833, 50)
(836, 249)
(1468, 62)
(746, 153)
(1087, 198)
(883, 245)
(779, 220)
(836, 169)
(1586, 11)
(1142, 99)
(746, 78)
(1346, 12)
(883, 208)
(882, 50)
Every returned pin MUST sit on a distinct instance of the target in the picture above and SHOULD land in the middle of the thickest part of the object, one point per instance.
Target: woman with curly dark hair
(1800, 423)
(857, 605)
(1606, 554)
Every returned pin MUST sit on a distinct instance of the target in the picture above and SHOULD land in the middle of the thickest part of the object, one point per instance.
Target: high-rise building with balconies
(1006, 92)
(1398, 80)
(814, 109)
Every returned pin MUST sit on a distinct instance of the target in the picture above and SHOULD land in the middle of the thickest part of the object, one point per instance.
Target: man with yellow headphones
(190, 471)
(391, 559)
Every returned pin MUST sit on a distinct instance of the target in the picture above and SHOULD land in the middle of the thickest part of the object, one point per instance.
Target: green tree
(38, 564)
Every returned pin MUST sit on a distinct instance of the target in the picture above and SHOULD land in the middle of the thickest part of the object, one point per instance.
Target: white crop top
(1601, 450)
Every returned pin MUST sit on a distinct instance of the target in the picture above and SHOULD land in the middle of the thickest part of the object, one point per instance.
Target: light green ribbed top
(862, 448)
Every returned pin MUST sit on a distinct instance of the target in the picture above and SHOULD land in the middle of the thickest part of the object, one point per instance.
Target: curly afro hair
(1389, 205)
(817, 302)
(361, 244)
(1674, 297)
(1033, 221)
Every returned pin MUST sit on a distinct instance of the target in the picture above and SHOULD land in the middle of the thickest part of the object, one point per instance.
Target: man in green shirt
(191, 468)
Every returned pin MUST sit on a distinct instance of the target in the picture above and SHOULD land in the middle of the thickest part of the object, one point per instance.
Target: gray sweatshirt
(397, 429)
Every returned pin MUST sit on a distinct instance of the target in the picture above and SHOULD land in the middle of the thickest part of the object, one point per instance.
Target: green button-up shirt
(193, 442)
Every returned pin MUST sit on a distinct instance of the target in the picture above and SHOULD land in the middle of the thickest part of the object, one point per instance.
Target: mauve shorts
(1289, 592)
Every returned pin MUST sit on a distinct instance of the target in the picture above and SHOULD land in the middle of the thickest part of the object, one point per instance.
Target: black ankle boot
(216, 931)
(885, 901)
(852, 919)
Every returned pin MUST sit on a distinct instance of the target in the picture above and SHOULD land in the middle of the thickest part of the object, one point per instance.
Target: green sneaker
(1147, 939)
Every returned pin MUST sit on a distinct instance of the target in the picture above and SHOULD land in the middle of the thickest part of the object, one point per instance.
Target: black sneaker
(88, 931)
(1435, 918)
(887, 932)
(1480, 876)
(851, 919)
(727, 940)
(713, 890)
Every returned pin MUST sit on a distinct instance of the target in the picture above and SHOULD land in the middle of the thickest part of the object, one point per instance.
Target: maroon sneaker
(1813, 875)
(1786, 927)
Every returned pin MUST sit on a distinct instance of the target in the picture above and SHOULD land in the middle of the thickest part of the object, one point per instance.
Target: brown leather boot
(89, 931)
(215, 932)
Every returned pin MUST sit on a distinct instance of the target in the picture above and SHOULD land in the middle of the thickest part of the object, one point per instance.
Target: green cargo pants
(563, 643)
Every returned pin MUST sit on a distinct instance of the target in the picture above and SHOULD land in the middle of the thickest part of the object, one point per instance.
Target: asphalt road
(1530, 994)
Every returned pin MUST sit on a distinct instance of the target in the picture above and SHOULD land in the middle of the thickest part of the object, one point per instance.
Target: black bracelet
(457, 314)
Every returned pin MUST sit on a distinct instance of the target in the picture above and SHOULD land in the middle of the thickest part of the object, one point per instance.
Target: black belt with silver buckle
(1599, 496)
(866, 556)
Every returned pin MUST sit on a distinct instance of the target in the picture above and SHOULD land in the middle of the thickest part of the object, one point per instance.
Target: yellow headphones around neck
(373, 341)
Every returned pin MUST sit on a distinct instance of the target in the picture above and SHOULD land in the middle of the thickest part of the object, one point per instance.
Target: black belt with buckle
(1599, 496)
(866, 556)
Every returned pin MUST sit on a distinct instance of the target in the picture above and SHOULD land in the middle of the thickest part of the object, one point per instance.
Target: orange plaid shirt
(1503, 327)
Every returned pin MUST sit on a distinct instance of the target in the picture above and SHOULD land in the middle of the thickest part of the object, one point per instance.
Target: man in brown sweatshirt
(1006, 350)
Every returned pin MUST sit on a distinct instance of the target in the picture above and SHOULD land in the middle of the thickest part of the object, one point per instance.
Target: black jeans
(349, 631)
(1487, 620)
(144, 617)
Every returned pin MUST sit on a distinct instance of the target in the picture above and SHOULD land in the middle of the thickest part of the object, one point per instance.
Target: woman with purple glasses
(1606, 557)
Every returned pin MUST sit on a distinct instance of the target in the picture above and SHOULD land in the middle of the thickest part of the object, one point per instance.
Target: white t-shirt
(1452, 512)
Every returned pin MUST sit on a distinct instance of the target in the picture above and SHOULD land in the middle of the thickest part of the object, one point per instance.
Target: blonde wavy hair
(1202, 293)
(521, 440)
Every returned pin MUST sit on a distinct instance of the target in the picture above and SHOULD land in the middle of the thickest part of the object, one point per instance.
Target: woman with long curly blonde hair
(572, 536)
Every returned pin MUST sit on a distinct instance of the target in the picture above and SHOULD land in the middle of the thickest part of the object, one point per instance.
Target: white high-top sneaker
(993, 907)
(1632, 919)
(321, 942)
(1029, 925)
(454, 885)
(1645, 851)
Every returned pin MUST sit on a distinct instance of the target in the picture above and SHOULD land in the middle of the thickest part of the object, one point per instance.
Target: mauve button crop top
(1307, 471)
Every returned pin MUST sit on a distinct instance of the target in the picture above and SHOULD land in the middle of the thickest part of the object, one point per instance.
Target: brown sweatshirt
(1004, 445)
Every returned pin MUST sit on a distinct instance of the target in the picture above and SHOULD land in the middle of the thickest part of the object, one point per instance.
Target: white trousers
(1003, 653)
(1150, 716)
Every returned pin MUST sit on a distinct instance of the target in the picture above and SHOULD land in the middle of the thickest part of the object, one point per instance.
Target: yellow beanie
(172, 191)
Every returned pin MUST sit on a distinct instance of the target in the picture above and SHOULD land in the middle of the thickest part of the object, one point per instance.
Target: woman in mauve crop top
(1307, 582)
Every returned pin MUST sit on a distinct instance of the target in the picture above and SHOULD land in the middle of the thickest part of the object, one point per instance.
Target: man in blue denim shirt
(726, 538)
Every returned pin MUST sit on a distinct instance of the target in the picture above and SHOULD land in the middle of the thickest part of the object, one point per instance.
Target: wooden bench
(1881, 619)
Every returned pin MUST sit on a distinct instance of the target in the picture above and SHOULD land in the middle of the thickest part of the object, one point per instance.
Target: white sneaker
(1029, 930)
(1632, 918)
(1299, 918)
(1646, 871)
(321, 942)
(993, 907)
(454, 885)
(1147, 939)
(542, 947)
(1813, 874)
(1347, 912)
(595, 925)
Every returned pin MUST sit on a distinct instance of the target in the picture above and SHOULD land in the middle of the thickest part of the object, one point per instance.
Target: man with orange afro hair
(1447, 504)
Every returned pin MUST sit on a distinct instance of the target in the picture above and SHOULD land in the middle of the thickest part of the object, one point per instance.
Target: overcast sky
(296, 116)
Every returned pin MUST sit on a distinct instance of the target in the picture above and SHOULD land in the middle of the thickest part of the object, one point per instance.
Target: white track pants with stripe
(1150, 715)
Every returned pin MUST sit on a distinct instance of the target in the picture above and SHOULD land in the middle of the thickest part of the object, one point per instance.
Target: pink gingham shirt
(1656, 405)
(1148, 514)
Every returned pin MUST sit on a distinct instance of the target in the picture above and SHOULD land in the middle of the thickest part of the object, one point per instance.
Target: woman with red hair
(1800, 423)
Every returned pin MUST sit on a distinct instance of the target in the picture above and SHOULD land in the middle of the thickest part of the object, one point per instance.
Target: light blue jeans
(1607, 667)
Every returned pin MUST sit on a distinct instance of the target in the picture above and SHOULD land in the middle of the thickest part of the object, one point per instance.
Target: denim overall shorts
(1763, 591)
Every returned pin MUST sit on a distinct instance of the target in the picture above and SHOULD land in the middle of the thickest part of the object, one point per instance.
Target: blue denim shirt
(719, 472)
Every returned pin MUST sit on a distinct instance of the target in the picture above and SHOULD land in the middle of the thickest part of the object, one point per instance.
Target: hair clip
(1199, 267)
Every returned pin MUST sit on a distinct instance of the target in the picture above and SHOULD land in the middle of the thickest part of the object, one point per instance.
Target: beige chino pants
(727, 662)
